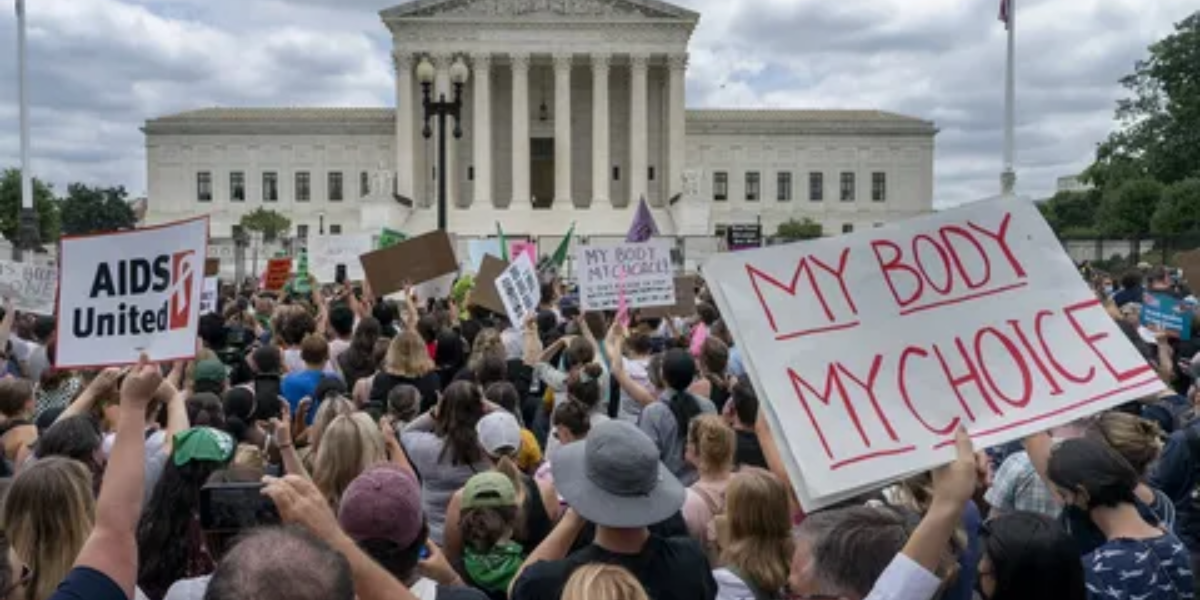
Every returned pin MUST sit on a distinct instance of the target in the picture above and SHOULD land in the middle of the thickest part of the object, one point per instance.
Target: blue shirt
(301, 385)
(1124, 569)
(85, 583)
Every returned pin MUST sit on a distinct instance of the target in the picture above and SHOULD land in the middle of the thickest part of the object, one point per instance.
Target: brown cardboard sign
(212, 267)
(685, 301)
(415, 261)
(485, 293)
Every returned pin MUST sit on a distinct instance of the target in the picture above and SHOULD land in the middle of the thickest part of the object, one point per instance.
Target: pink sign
(518, 247)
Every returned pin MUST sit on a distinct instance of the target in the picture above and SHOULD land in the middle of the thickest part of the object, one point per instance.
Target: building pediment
(540, 9)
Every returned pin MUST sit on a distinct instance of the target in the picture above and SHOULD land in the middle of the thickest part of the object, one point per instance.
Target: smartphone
(340, 274)
(230, 507)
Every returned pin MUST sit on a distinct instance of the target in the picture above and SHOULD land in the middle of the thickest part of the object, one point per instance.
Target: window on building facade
(783, 183)
(335, 230)
(204, 186)
(237, 186)
(270, 187)
(616, 173)
(650, 174)
(816, 187)
(879, 187)
(303, 186)
(364, 184)
(302, 231)
(848, 228)
(847, 187)
(720, 186)
(335, 187)
(753, 183)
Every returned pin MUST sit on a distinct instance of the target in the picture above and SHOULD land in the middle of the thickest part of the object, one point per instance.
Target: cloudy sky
(99, 68)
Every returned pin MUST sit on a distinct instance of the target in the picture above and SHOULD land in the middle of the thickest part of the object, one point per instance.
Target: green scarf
(492, 571)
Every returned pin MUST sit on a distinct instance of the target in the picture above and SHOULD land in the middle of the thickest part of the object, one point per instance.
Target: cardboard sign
(485, 293)
(325, 253)
(519, 289)
(209, 295)
(869, 350)
(32, 287)
(416, 261)
(131, 292)
(685, 301)
(641, 272)
(1162, 311)
(743, 237)
(279, 272)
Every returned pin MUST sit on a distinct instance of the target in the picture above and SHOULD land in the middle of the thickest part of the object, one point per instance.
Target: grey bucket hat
(614, 478)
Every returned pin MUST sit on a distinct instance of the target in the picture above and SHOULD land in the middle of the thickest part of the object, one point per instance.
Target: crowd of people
(338, 445)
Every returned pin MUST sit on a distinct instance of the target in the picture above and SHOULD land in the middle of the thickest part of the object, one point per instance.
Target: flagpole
(1008, 179)
(19, 245)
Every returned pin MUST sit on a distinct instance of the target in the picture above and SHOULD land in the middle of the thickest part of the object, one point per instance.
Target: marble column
(520, 132)
(444, 90)
(562, 129)
(406, 116)
(600, 129)
(483, 129)
(676, 126)
(639, 138)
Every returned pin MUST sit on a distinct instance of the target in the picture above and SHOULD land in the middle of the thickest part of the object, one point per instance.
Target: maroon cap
(382, 503)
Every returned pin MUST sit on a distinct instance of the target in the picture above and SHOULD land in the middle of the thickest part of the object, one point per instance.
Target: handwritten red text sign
(871, 349)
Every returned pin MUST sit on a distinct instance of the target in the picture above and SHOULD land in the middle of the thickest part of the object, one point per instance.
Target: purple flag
(643, 227)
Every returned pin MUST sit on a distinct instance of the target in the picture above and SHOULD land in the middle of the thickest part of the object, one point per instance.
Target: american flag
(1005, 8)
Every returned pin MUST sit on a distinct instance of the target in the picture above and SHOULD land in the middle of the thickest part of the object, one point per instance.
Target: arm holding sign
(177, 417)
(1038, 447)
(1166, 355)
(775, 460)
(613, 344)
(104, 383)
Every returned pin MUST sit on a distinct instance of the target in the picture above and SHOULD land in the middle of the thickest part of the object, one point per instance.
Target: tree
(43, 202)
(1159, 134)
(1072, 214)
(1179, 212)
(267, 222)
(87, 210)
(794, 230)
(1126, 211)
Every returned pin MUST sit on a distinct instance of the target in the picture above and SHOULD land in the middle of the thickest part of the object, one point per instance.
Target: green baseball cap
(488, 490)
(202, 443)
(210, 370)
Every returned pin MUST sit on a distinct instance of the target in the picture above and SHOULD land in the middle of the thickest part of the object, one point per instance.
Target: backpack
(717, 508)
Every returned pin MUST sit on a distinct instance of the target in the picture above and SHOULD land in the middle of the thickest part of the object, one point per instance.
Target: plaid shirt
(1017, 487)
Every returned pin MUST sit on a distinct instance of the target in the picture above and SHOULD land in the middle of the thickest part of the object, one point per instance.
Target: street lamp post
(27, 232)
(441, 108)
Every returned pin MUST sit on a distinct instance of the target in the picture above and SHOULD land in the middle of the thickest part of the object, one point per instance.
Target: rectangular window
(847, 187)
(204, 186)
(335, 230)
(364, 184)
(303, 186)
(879, 187)
(237, 186)
(720, 186)
(784, 185)
(752, 185)
(471, 173)
(616, 173)
(335, 186)
(270, 187)
(650, 175)
(302, 231)
(816, 187)
(848, 228)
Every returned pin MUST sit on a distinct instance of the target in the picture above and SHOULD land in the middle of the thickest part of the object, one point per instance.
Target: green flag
(503, 242)
(301, 283)
(560, 256)
(389, 238)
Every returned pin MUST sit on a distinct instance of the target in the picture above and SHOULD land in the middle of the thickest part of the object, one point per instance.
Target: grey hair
(851, 547)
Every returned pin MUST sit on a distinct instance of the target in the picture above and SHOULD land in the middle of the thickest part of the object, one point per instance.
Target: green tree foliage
(1127, 210)
(1179, 211)
(87, 210)
(269, 223)
(10, 207)
(1159, 134)
(1072, 214)
(794, 230)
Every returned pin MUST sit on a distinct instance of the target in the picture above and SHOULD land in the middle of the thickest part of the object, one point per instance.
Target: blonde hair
(407, 356)
(48, 514)
(1137, 440)
(603, 582)
(350, 445)
(757, 529)
(487, 342)
(714, 443)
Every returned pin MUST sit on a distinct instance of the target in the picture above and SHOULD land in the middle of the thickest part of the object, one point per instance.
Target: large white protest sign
(131, 292)
(209, 295)
(870, 350)
(31, 286)
(325, 253)
(519, 289)
(641, 273)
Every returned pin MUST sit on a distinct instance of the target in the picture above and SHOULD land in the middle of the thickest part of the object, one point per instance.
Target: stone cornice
(548, 10)
(531, 36)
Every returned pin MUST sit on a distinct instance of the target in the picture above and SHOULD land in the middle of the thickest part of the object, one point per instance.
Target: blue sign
(1163, 311)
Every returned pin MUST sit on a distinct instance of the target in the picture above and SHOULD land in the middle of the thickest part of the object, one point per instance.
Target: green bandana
(492, 571)
(202, 443)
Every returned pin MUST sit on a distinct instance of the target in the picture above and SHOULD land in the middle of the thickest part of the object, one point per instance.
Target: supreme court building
(573, 110)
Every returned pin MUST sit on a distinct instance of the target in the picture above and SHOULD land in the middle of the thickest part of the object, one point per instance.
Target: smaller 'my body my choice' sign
(131, 292)
(639, 272)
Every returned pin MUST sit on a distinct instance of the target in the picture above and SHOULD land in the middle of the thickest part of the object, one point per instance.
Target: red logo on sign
(182, 283)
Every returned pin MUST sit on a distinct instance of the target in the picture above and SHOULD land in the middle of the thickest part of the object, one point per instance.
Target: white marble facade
(545, 77)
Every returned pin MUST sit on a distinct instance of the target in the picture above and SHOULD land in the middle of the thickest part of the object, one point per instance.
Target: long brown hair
(457, 414)
(756, 529)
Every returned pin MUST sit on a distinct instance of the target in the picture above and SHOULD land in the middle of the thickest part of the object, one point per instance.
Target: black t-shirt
(85, 583)
(429, 385)
(459, 592)
(749, 451)
(668, 569)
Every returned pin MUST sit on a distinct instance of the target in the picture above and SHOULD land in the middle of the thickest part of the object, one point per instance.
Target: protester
(302, 383)
(603, 582)
(1027, 556)
(18, 432)
(741, 412)
(710, 448)
(350, 445)
(505, 395)
(756, 543)
(666, 421)
(572, 422)
(357, 361)
(713, 382)
(407, 363)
